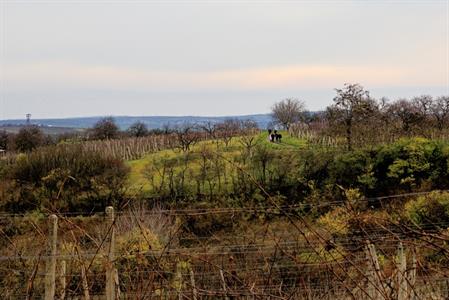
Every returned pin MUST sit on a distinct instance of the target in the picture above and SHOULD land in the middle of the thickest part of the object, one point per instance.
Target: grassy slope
(139, 182)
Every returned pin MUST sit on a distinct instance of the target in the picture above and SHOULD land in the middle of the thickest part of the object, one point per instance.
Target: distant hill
(125, 121)
(50, 130)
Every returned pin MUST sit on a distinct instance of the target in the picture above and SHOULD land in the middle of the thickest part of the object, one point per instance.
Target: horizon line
(137, 116)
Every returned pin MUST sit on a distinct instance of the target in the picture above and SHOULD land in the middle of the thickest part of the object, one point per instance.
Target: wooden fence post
(50, 268)
(179, 281)
(110, 273)
(62, 279)
(223, 281)
(192, 281)
(117, 284)
(401, 273)
(373, 273)
(412, 278)
(84, 282)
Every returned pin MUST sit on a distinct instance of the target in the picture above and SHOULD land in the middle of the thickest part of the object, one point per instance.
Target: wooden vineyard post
(50, 268)
(373, 273)
(117, 284)
(224, 285)
(179, 280)
(84, 282)
(110, 273)
(62, 279)
(401, 275)
(192, 281)
(412, 278)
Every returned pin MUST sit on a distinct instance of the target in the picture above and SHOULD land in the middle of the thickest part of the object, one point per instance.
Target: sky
(69, 58)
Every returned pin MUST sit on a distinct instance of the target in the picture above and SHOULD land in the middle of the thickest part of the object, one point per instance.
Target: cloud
(60, 74)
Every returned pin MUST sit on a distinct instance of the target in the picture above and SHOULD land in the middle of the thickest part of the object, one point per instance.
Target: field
(205, 223)
(139, 173)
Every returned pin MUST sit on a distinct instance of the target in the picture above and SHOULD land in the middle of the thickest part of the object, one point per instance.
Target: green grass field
(140, 173)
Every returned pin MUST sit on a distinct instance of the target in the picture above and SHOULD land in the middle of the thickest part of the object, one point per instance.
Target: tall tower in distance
(28, 116)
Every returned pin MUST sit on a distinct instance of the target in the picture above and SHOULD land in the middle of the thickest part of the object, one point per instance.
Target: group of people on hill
(274, 136)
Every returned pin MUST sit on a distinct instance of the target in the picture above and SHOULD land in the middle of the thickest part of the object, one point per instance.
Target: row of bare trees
(189, 134)
(356, 113)
(362, 119)
(136, 141)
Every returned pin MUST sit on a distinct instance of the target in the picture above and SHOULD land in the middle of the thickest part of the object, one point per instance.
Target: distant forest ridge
(124, 122)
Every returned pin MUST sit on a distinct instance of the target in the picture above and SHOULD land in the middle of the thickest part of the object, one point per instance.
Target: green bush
(352, 169)
(430, 211)
(407, 165)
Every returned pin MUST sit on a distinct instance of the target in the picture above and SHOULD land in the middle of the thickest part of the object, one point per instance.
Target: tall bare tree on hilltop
(288, 111)
(351, 106)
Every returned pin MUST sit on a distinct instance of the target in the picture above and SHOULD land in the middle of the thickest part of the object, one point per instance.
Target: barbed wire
(260, 262)
(224, 210)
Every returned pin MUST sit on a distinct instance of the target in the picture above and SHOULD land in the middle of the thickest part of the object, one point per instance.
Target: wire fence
(145, 254)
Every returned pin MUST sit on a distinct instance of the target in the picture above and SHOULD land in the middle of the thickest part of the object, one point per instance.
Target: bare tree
(105, 129)
(423, 104)
(138, 129)
(210, 128)
(288, 111)
(440, 112)
(29, 138)
(228, 129)
(167, 128)
(351, 105)
(187, 135)
(249, 136)
(406, 113)
(4, 140)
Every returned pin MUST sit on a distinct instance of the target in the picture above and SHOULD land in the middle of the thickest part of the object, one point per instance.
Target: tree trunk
(349, 134)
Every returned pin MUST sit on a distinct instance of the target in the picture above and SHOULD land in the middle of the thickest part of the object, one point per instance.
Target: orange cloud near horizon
(68, 74)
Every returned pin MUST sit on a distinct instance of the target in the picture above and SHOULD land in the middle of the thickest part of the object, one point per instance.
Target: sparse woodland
(351, 203)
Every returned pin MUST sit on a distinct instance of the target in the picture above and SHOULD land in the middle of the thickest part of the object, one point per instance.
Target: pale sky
(70, 58)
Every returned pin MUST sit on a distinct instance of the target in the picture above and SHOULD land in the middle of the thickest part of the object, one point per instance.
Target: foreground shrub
(430, 211)
(62, 178)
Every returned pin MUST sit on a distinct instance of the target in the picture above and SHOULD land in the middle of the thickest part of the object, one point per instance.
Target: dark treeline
(355, 118)
(30, 137)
